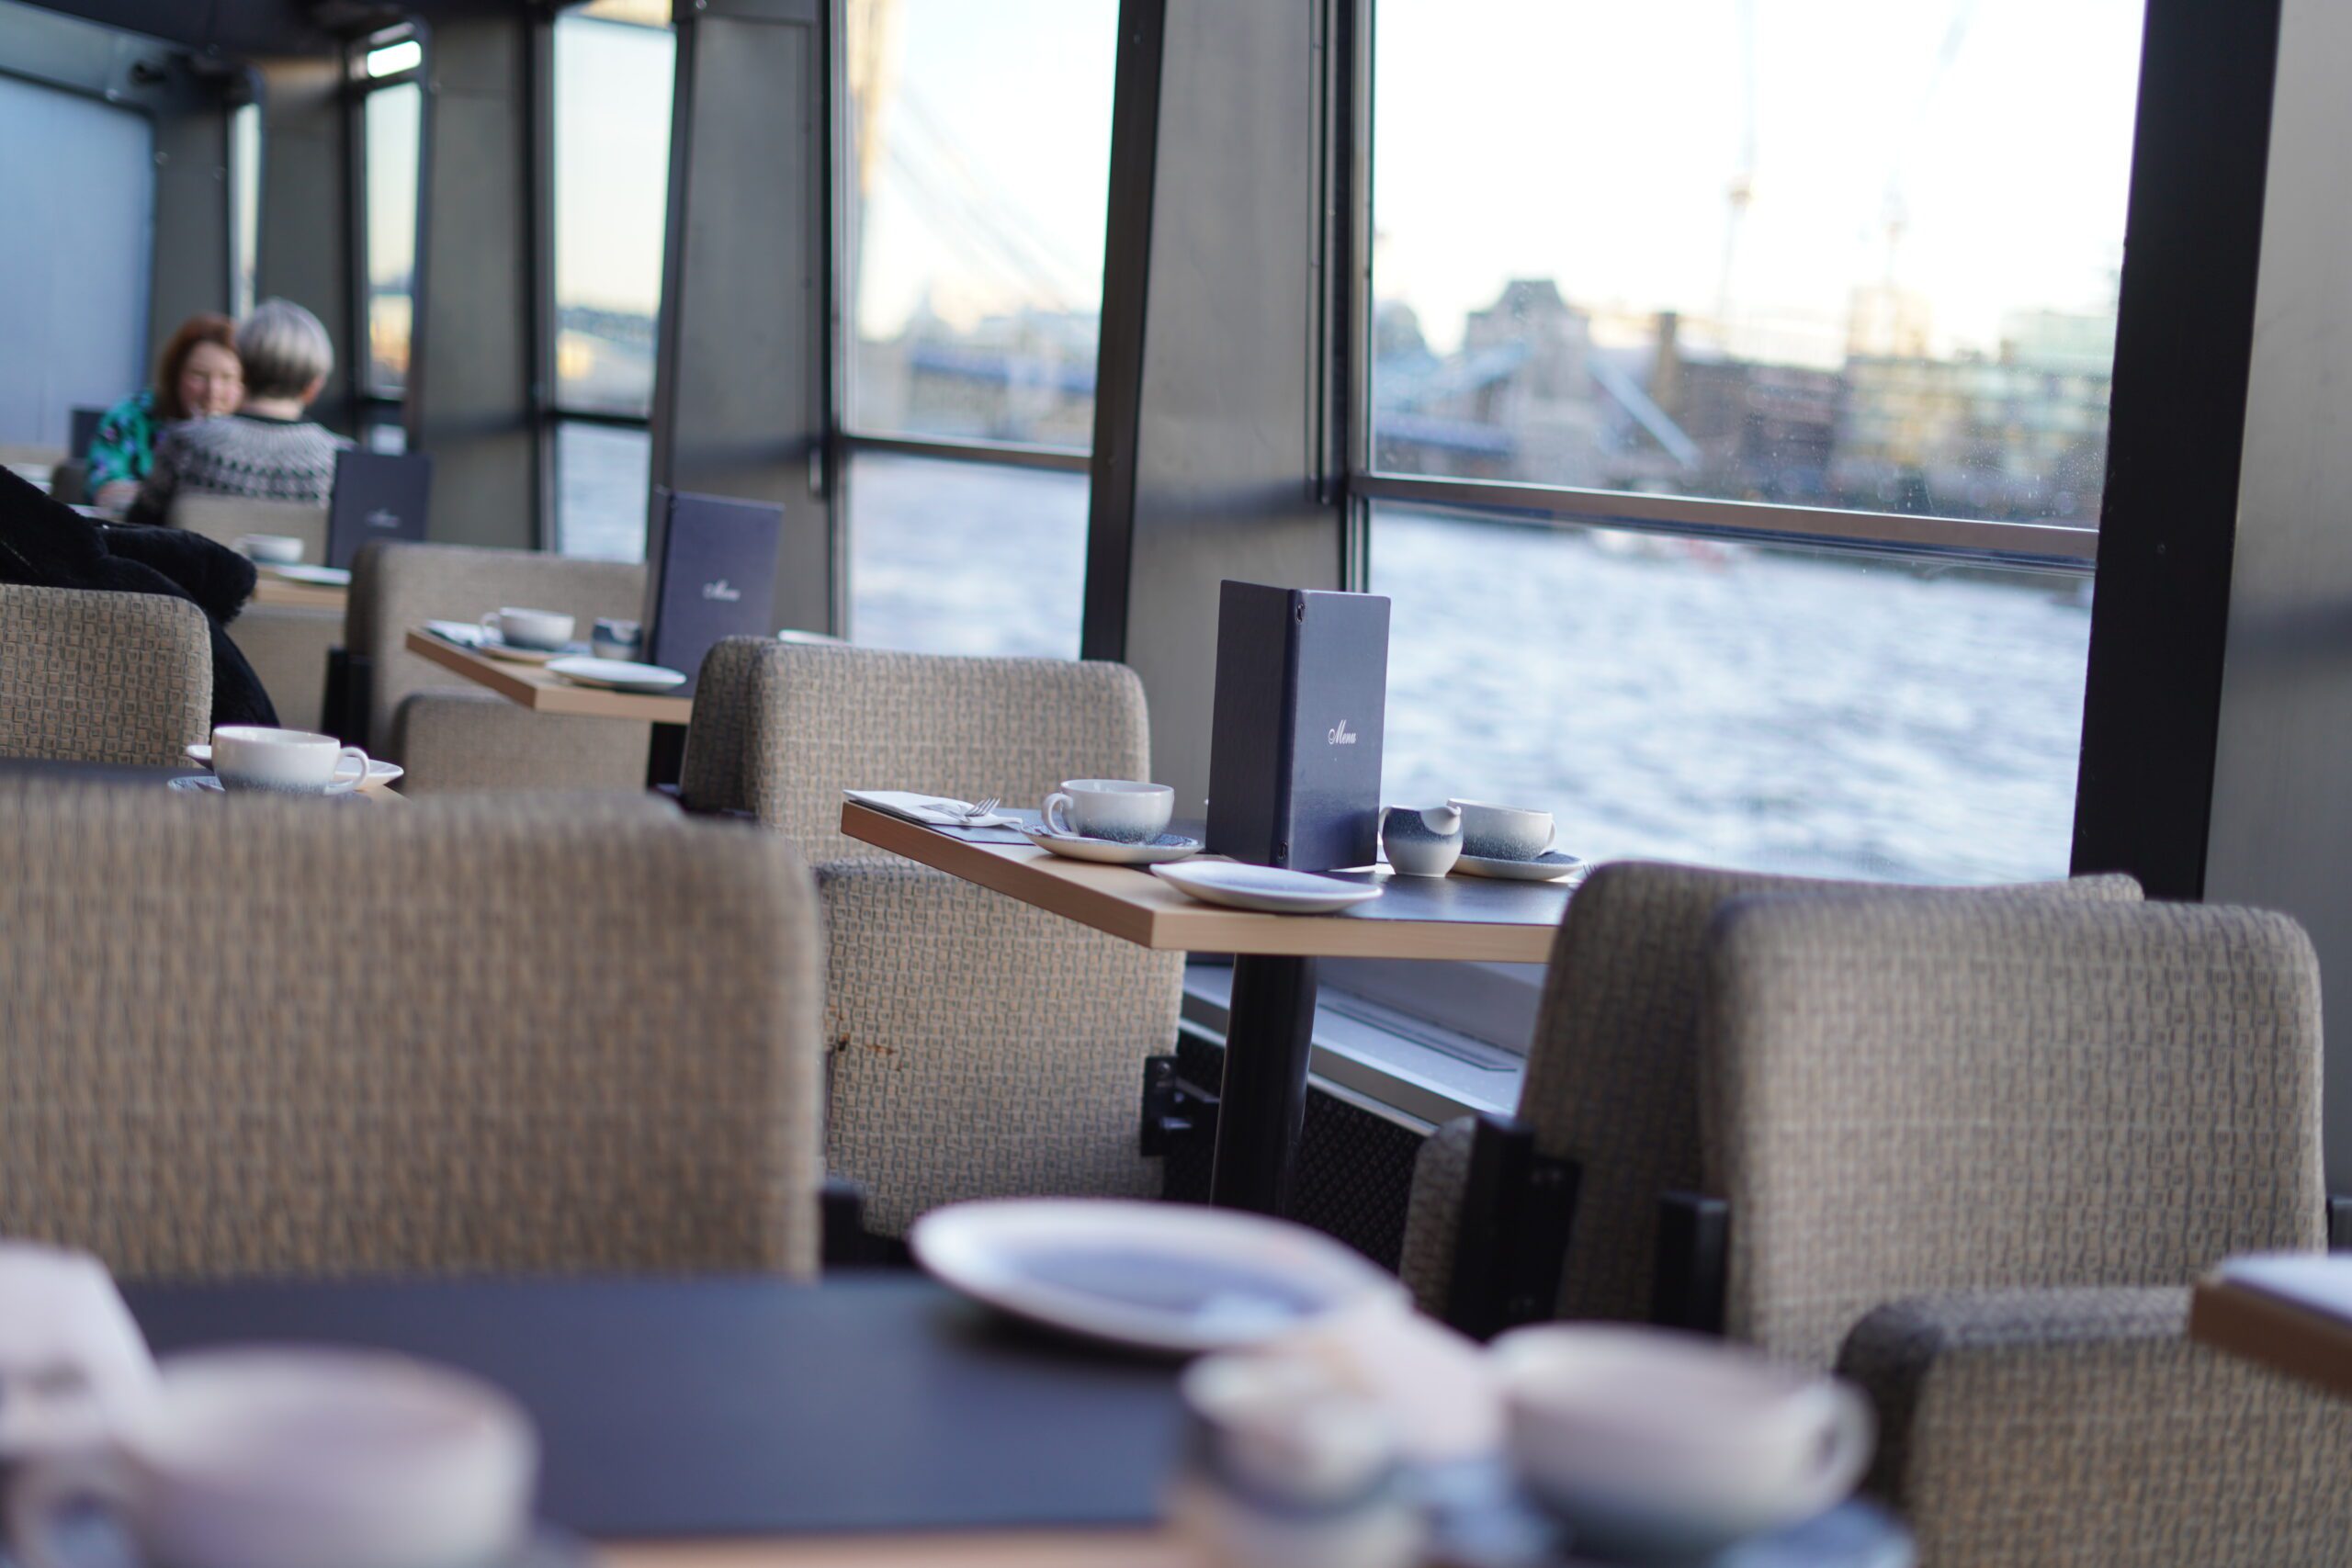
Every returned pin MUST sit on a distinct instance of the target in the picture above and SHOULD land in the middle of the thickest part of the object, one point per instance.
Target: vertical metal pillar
(470, 390)
(741, 392)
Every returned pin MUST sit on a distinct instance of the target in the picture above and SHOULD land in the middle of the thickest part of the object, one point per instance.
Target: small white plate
(1265, 888)
(379, 773)
(1076, 846)
(617, 674)
(1173, 1276)
(508, 651)
(317, 575)
(1549, 867)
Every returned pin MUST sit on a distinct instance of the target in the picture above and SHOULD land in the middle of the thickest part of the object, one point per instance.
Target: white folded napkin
(930, 810)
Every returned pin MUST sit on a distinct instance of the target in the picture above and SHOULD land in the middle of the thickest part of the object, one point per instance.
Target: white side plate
(1168, 1276)
(317, 575)
(1268, 889)
(615, 674)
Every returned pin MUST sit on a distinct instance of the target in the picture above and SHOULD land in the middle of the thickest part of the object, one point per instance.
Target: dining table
(127, 775)
(1270, 1036)
(874, 1419)
(2291, 1312)
(531, 686)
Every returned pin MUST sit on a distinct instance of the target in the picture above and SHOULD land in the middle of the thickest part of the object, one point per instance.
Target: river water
(1767, 709)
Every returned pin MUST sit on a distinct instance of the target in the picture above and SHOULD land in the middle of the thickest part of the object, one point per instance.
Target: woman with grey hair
(267, 449)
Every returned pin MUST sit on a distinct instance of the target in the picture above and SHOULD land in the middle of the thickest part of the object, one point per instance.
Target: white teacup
(1121, 810)
(547, 630)
(283, 1458)
(286, 762)
(73, 1368)
(1502, 832)
(270, 549)
(1650, 1442)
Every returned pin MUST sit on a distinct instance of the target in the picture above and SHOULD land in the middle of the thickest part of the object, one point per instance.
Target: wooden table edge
(1237, 931)
(2246, 1321)
(551, 696)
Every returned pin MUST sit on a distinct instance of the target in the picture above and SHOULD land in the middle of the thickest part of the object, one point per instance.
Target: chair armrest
(2013, 1421)
(1433, 1213)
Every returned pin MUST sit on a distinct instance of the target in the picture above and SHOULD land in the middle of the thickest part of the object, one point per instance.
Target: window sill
(1414, 1073)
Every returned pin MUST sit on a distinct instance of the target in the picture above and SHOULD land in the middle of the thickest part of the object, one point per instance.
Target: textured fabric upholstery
(287, 645)
(122, 678)
(1901, 1096)
(1612, 1069)
(397, 587)
(2080, 1429)
(224, 519)
(256, 1036)
(979, 1048)
(471, 740)
(792, 725)
(1433, 1213)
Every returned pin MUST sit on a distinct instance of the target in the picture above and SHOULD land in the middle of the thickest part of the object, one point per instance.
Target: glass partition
(979, 175)
(613, 84)
(966, 558)
(392, 126)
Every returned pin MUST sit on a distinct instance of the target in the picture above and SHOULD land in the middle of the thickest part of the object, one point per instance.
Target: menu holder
(1302, 693)
(711, 575)
(380, 498)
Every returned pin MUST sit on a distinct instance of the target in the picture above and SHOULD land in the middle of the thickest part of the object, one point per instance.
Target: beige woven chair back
(248, 1036)
(780, 730)
(1612, 1071)
(1904, 1096)
(225, 519)
(121, 678)
(397, 587)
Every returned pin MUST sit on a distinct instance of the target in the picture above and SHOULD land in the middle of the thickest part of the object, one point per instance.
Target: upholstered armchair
(977, 1047)
(465, 1035)
(1564, 1208)
(455, 737)
(122, 678)
(1974, 1153)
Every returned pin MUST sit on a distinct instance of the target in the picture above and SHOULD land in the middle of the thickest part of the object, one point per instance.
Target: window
(1735, 474)
(244, 205)
(966, 558)
(614, 66)
(392, 131)
(978, 181)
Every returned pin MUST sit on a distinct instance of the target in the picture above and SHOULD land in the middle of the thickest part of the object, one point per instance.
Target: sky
(1590, 141)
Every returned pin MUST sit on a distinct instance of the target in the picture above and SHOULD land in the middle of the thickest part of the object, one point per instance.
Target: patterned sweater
(239, 454)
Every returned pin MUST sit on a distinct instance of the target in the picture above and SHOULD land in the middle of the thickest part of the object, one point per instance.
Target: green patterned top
(124, 447)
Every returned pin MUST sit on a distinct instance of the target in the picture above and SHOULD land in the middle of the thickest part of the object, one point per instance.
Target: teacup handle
(51, 1489)
(490, 628)
(1056, 804)
(1848, 1431)
(1551, 837)
(336, 784)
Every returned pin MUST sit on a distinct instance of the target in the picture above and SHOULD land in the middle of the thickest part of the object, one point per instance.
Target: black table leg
(1269, 1035)
(665, 756)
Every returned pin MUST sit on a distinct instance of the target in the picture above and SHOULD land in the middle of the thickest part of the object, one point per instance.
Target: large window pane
(613, 84)
(393, 127)
(601, 479)
(1846, 254)
(1767, 708)
(980, 168)
(966, 558)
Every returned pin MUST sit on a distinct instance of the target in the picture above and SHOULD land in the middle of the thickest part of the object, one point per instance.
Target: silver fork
(980, 809)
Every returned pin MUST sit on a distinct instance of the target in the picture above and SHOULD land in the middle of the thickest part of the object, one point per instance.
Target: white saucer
(318, 576)
(378, 773)
(1549, 867)
(1173, 1276)
(1076, 846)
(205, 783)
(617, 674)
(514, 654)
(1268, 889)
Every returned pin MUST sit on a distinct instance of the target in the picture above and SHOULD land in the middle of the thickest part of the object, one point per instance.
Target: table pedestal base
(1269, 1037)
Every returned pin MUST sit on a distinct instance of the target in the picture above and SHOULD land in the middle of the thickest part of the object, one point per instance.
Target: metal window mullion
(2035, 544)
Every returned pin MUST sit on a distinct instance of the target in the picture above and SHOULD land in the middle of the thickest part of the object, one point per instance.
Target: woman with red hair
(197, 375)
